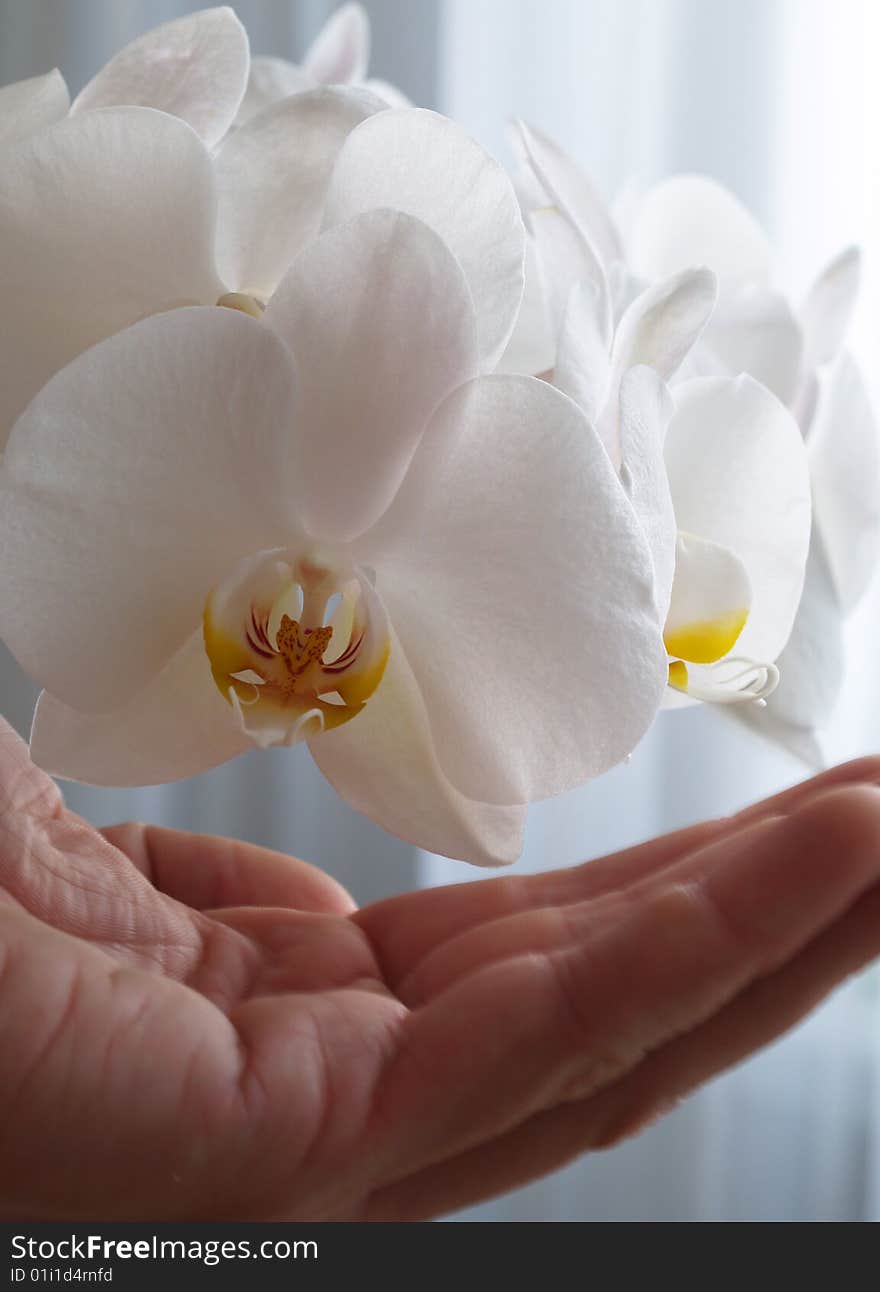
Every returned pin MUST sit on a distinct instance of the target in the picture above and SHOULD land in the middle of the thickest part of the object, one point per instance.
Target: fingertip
(840, 829)
(782, 878)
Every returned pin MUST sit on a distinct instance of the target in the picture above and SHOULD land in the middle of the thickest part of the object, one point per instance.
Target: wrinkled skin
(196, 1028)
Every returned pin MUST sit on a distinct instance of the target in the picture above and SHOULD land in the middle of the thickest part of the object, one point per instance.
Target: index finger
(206, 872)
(407, 928)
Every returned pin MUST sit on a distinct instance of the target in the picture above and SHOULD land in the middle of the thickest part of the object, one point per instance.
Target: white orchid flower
(801, 355)
(724, 498)
(798, 354)
(339, 55)
(722, 560)
(195, 68)
(711, 502)
(325, 525)
(113, 215)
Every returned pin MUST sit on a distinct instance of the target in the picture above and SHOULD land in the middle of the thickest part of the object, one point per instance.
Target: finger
(548, 929)
(771, 1006)
(407, 928)
(205, 872)
(531, 1032)
(197, 870)
(24, 788)
(58, 868)
(303, 951)
(550, 1139)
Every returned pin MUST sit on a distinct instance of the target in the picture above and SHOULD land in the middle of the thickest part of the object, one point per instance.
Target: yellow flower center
(296, 646)
(300, 649)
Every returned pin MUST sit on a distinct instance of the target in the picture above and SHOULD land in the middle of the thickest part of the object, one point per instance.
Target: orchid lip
(297, 644)
(734, 680)
(701, 662)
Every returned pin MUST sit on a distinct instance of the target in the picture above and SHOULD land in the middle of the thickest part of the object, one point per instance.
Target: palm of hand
(193, 1027)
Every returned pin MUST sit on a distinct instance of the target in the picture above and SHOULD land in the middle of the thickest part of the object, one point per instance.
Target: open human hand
(196, 1028)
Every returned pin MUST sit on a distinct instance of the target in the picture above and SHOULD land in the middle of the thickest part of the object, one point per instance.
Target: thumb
(24, 787)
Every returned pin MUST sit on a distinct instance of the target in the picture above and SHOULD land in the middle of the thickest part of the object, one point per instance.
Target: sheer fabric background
(778, 100)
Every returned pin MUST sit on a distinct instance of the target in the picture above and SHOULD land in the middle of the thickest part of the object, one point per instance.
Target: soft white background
(779, 99)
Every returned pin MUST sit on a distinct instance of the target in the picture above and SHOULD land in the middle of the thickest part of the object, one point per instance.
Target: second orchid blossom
(606, 291)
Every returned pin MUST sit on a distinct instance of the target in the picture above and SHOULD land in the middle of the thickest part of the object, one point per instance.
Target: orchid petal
(711, 599)
(531, 629)
(340, 53)
(844, 452)
(195, 68)
(178, 725)
(645, 410)
(733, 682)
(420, 163)
(659, 328)
(738, 474)
(691, 220)
(811, 668)
(664, 322)
(384, 764)
(531, 348)
(379, 317)
(583, 364)
(753, 330)
(571, 189)
(272, 178)
(133, 482)
(827, 311)
(27, 107)
(270, 80)
(567, 259)
(78, 261)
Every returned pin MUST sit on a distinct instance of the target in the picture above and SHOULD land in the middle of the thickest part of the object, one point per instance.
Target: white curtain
(777, 99)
